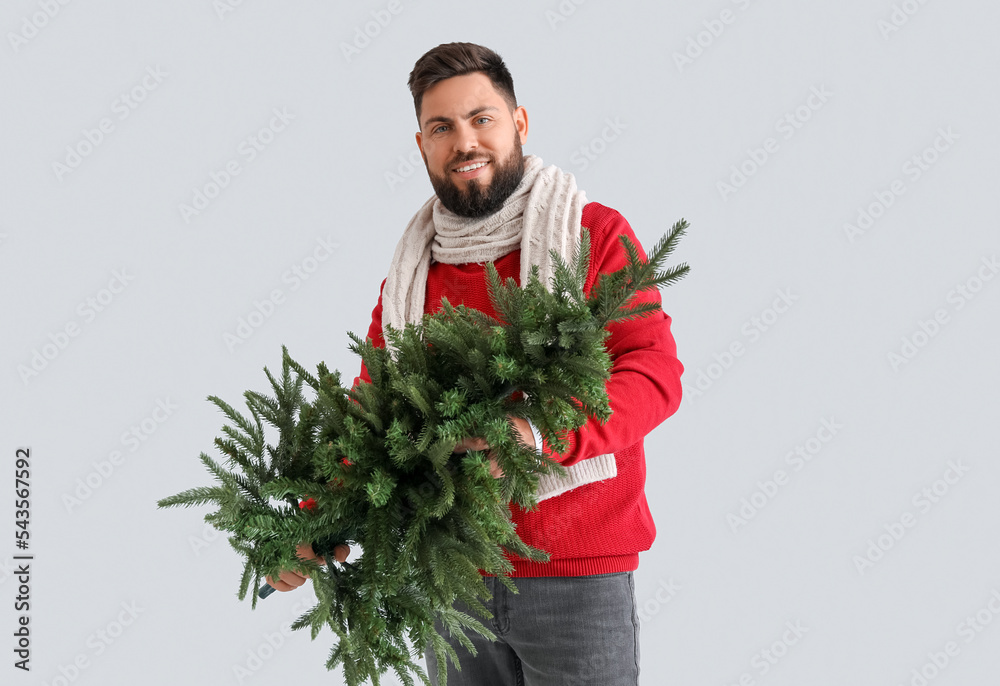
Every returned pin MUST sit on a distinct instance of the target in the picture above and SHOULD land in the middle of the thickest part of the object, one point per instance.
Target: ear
(521, 123)
(420, 143)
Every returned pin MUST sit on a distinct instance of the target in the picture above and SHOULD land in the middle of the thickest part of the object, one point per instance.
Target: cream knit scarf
(543, 213)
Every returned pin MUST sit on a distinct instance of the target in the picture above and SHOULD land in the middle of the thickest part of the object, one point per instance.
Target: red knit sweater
(600, 527)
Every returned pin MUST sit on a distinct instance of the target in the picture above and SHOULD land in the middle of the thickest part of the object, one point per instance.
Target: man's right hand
(289, 580)
(478, 443)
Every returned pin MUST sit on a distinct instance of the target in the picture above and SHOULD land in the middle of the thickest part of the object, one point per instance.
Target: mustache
(458, 163)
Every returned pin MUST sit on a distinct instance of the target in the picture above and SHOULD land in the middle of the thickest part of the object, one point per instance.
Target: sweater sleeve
(645, 384)
(374, 333)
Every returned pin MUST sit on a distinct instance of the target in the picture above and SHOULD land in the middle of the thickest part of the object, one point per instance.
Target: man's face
(464, 120)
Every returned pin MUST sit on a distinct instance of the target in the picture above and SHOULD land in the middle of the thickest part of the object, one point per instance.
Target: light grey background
(712, 595)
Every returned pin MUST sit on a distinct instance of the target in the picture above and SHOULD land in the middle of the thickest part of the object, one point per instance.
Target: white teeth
(471, 167)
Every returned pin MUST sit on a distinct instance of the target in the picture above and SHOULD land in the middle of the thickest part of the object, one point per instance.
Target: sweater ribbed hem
(578, 566)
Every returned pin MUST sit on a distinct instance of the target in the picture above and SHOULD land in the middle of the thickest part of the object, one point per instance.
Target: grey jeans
(579, 630)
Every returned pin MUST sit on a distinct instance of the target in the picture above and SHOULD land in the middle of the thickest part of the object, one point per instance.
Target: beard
(467, 198)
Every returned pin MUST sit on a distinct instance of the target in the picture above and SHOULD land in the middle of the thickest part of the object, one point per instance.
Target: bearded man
(573, 620)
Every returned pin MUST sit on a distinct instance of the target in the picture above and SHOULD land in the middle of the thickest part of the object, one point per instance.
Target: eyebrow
(472, 113)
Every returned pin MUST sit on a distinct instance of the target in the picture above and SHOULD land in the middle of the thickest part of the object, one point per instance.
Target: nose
(466, 139)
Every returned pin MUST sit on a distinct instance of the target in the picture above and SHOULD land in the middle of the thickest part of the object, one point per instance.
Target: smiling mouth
(470, 167)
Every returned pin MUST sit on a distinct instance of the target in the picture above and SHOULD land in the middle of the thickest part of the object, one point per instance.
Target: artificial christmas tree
(375, 465)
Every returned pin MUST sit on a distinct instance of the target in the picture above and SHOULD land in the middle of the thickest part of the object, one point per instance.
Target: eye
(482, 118)
(438, 128)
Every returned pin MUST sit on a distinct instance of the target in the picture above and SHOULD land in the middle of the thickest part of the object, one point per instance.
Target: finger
(471, 443)
(495, 470)
(293, 579)
(341, 552)
(278, 584)
(305, 551)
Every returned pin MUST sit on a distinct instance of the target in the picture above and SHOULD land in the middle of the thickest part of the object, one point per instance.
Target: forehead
(455, 96)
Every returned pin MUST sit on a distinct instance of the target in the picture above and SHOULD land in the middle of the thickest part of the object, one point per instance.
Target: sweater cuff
(537, 435)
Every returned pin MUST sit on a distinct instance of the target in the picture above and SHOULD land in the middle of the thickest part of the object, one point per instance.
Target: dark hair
(456, 59)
